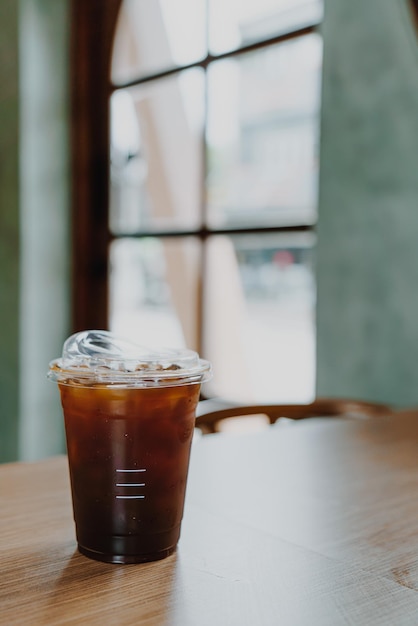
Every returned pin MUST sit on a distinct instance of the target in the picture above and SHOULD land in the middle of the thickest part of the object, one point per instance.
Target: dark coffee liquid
(128, 452)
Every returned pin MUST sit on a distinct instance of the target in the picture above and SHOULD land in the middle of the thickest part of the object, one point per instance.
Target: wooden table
(314, 522)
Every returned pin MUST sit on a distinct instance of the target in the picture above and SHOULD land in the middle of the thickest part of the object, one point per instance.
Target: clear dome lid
(94, 357)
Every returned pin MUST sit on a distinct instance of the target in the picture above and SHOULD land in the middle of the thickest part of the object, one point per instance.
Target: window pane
(263, 127)
(234, 23)
(156, 153)
(153, 291)
(259, 315)
(155, 35)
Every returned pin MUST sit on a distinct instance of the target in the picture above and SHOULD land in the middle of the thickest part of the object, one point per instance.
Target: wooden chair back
(210, 413)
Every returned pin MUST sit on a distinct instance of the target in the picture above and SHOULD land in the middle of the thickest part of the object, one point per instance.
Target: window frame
(91, 40)
(93, 29)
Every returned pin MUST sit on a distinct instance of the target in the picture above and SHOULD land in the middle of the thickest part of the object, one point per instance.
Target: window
(213, 172)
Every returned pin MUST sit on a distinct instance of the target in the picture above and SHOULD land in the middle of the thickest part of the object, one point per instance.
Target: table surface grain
(305, 523)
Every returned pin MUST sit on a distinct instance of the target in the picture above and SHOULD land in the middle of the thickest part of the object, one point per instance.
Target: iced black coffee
(129, 420)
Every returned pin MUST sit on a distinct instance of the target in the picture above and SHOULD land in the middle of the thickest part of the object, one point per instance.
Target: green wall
(9, 229)
(367, 263)
(34, 239)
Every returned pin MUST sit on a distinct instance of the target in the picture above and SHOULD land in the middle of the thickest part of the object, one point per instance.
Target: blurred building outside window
(214, 175)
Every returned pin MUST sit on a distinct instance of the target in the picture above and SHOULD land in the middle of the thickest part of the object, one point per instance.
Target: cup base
(126, 559)
(128, 548)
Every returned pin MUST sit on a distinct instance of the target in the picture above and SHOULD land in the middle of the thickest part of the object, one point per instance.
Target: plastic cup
(129, 420)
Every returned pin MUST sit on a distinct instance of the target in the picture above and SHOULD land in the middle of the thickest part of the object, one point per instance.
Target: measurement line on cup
(130, 497)
(131, 470)
(130, 484)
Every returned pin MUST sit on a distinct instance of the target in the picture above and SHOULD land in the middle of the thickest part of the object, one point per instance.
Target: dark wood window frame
(414, 4)
(93, 26)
